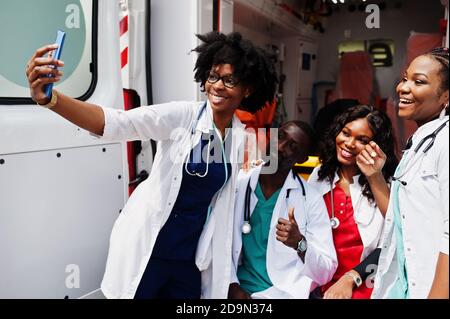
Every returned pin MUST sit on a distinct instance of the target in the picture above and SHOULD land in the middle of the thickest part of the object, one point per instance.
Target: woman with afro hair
(357, 163)
(173, 237)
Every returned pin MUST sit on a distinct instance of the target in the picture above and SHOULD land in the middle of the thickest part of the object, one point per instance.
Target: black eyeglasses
(228, 80)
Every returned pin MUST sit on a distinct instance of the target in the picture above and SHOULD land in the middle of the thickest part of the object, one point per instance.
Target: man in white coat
(282, 243)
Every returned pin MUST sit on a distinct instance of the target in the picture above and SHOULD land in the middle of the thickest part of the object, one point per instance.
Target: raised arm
(371, 161)
(85, 115)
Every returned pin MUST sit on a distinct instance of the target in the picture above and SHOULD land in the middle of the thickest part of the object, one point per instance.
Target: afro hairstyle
(253, 66)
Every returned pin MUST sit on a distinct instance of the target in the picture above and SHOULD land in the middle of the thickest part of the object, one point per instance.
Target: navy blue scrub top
(179, 236)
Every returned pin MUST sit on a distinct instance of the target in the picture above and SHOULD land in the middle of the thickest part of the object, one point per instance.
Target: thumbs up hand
(287, 230)
(291, 216)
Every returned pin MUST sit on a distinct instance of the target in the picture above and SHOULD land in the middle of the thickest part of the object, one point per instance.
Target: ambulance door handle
(140, 178)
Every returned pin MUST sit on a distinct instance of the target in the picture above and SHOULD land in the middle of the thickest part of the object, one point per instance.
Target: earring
(444, 110)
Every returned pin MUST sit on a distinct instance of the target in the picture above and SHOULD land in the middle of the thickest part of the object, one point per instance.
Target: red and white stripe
(124, 43)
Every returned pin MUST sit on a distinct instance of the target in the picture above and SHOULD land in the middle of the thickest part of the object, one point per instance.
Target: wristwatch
(52, 102)
(302, 245)
(356, 278)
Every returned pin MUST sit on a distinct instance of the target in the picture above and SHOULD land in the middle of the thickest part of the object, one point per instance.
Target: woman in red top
(353, 178)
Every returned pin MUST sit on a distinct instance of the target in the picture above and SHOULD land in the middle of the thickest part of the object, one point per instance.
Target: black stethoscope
(246, 227)
(430, 137)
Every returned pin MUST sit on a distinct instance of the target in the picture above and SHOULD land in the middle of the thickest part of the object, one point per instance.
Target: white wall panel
(55, 212)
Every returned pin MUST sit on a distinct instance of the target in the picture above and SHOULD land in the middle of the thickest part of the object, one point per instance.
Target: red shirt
(347, 240)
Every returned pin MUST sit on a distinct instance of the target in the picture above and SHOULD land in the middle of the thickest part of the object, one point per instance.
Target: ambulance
(61, 190)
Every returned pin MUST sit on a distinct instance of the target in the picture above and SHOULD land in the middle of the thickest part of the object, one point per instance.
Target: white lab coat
(424, 211)
(291, 277)
(148, 208)
(368, 217)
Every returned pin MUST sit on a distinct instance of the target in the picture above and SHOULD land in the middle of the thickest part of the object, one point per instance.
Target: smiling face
(351, 140)
(293, 146)
(224, 99)
(421, 99)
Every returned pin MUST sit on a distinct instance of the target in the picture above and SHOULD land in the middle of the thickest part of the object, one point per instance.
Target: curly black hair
(381, 128)
(252, 65)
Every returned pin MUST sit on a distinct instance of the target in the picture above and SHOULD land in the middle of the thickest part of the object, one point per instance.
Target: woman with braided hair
(174, 235)
(414, 258)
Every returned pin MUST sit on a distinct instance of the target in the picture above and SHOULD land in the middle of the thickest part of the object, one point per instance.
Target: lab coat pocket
(427, 167)
(281, 248)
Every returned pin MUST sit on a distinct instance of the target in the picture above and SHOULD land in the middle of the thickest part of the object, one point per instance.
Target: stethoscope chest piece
(334, 222)
(246, 228)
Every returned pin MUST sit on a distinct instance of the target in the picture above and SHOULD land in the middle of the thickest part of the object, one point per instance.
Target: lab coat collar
(206, 124)
(254, 177)
(325, 187)
(428, 128)
(432, 124)
(289, 183)
(354, 183)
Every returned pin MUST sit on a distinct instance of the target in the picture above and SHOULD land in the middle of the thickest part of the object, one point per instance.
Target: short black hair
(308, 131)
(381, 127)
(252, 65)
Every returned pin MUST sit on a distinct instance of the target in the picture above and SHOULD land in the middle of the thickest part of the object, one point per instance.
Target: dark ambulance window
(381, 50)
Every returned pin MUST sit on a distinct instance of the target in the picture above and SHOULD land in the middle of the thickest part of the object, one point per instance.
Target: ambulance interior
(61, 191)
(329, 50)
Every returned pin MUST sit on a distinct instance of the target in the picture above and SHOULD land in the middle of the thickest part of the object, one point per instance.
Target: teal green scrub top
(252, 273)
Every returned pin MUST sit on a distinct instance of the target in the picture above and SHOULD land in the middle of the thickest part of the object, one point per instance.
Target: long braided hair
(441, 55)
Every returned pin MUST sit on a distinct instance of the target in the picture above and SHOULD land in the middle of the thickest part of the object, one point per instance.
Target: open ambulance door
(60, 189)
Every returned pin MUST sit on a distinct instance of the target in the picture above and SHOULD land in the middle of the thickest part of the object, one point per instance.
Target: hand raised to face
(371, 159)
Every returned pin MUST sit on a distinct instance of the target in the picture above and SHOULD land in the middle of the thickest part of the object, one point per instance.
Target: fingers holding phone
(42, 71)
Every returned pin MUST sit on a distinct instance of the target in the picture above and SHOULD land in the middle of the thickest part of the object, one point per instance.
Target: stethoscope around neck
(410, 164)
(191, 149)
(246, 227)
(334, 221)
(198, 148)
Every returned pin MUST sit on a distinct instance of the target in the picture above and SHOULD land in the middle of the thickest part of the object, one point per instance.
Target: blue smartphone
(56, 54)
